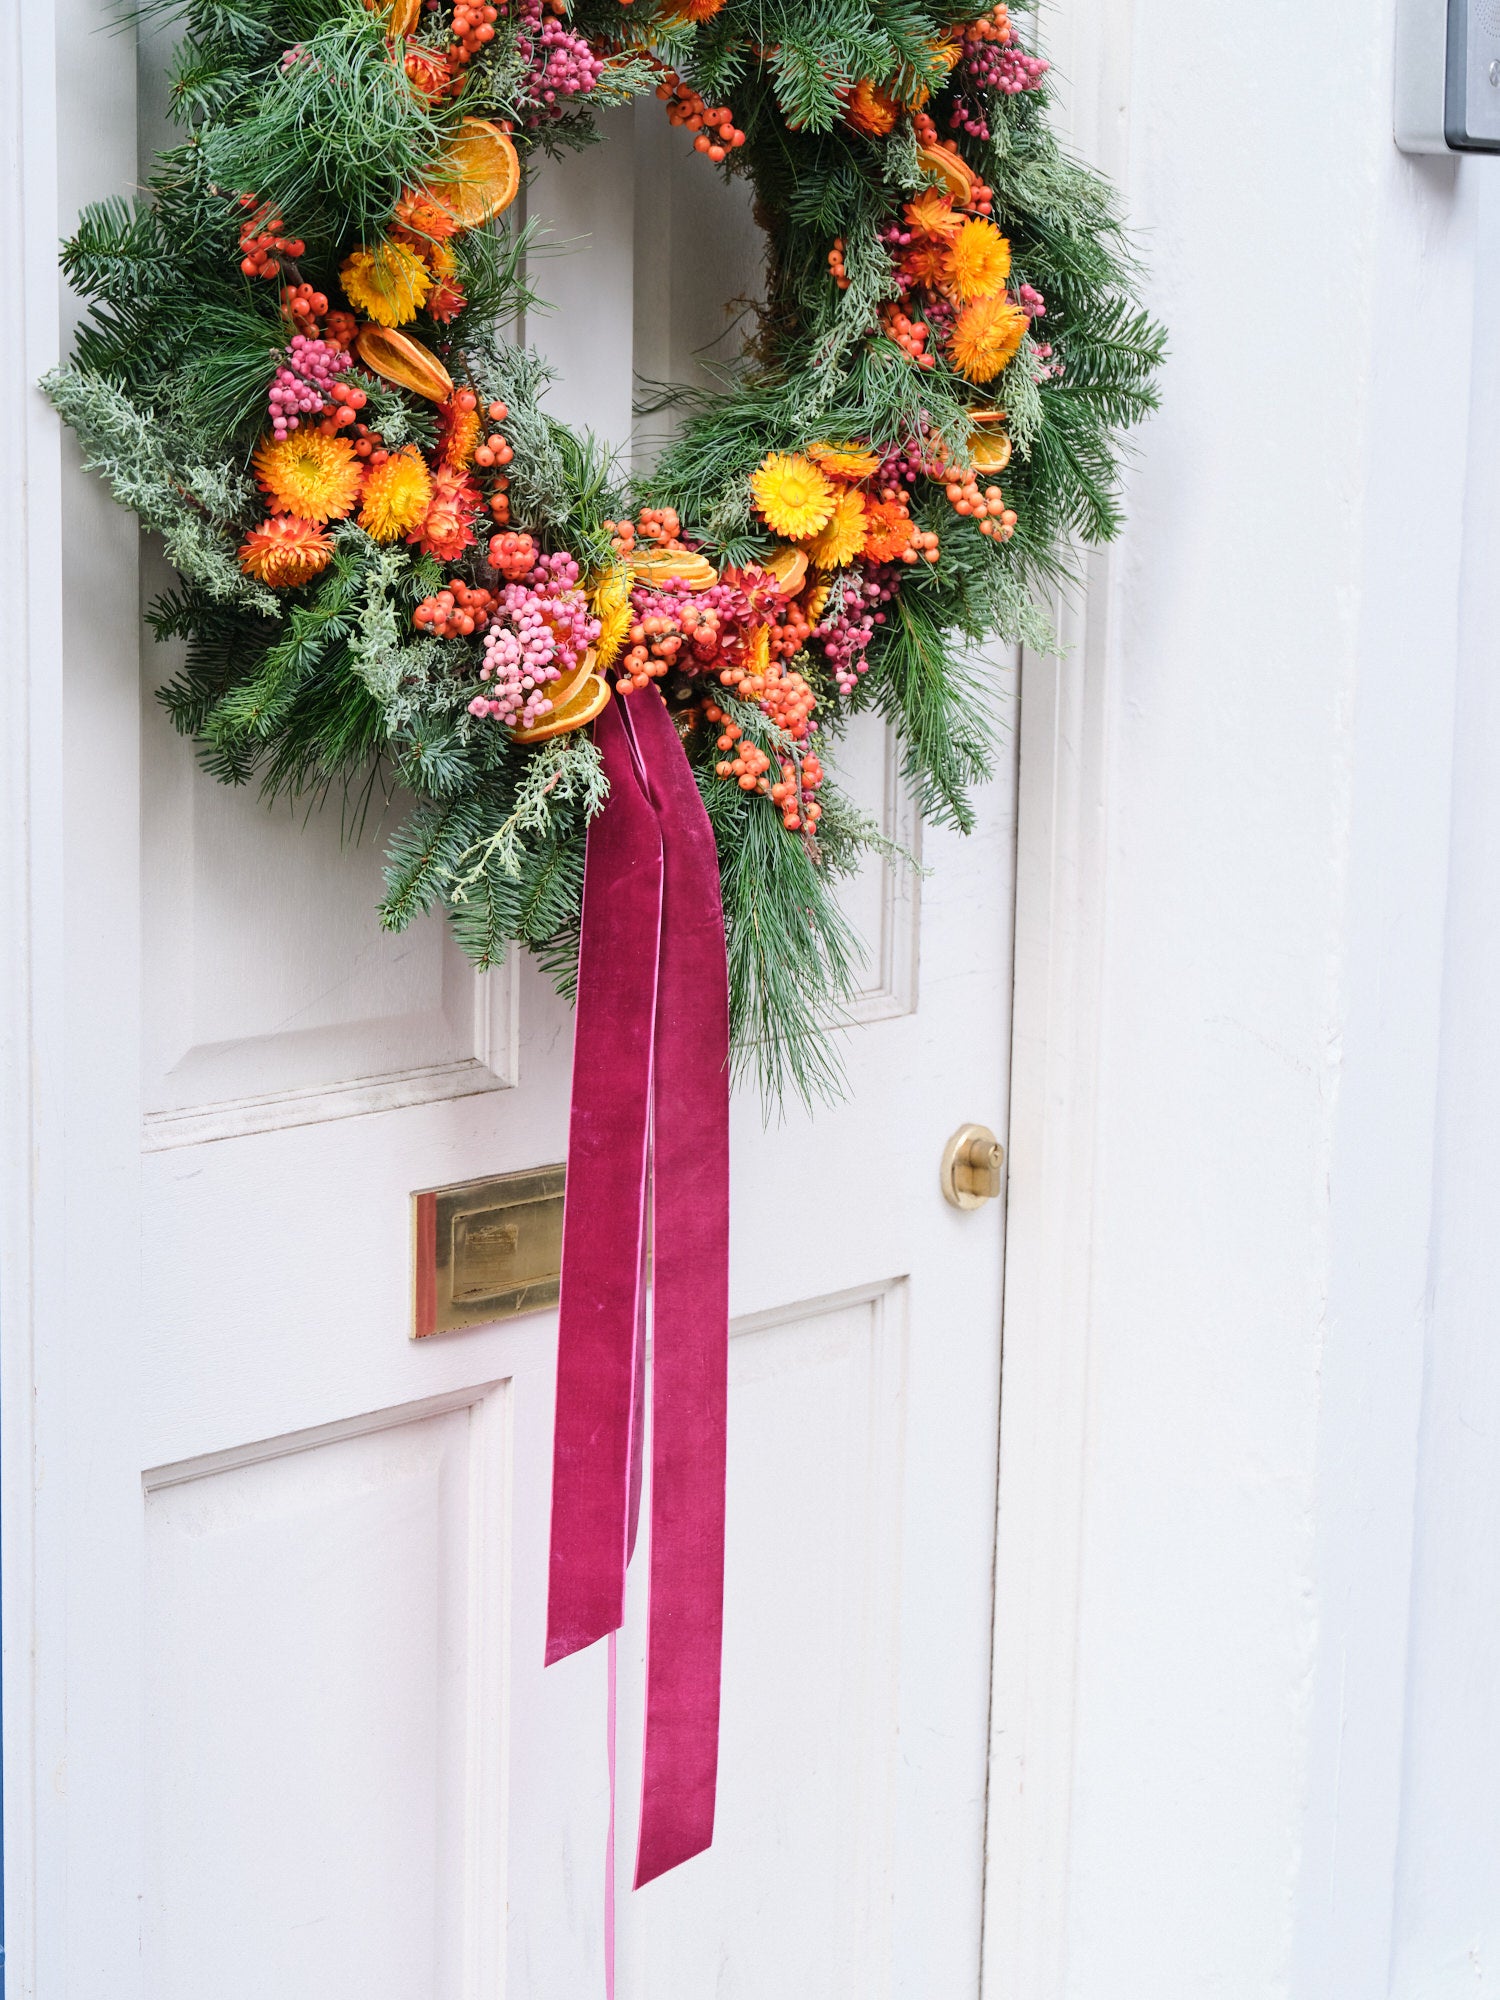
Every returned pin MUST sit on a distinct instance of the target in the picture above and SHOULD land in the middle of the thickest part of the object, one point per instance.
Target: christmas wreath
(395, 567)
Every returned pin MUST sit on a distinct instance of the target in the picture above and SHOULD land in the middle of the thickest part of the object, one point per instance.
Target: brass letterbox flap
(486, 1250)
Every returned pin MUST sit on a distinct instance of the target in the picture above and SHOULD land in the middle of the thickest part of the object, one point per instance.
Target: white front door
(278, 1721)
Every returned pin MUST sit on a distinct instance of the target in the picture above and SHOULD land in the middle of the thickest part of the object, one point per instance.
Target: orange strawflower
(459, 433)
(932, 214)
(309, 475)
(446, 300)
(285, 552)
(887, 530)
(871, 110)
(422, 215)
(448, 528)
(978, 260)
(844, 461)
(986, 337)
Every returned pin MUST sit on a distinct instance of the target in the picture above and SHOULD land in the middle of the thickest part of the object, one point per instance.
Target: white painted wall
(1285, 1731)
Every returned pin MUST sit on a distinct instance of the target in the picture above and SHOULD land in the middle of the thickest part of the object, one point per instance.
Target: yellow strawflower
(388, 284)
(610, 604)
(793, 496)
(844, 537)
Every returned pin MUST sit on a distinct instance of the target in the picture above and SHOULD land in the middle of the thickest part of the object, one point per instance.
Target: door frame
(1060, 919)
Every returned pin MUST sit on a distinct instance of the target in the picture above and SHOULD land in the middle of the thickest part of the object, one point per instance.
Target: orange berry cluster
(473, 28)
(369, 446)
(458, 611)
(495, 450)
(653, 524)
(791, 633)
(744, 763)
(924, 547)
(992, 27)
(655, 641)
(749, 767)
(304, 308)
(513, 555)
(910, 335)
(347, 403)
(718, 135)
(262, 241)
(836, 264)
(492, 451)
(994, 517)
(797, 781)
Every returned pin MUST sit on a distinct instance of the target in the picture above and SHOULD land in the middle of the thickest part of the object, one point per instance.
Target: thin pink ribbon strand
(650, 1110)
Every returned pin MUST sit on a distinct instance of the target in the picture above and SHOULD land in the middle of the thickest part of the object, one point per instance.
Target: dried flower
(397, 496)
(284, 552)
(307, 474)
(986, 337)
(792, 494)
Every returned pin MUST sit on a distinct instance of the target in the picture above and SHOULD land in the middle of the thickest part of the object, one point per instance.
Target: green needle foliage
(306, 110)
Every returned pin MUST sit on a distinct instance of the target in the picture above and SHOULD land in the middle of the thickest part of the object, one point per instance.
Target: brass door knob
(972, 1160)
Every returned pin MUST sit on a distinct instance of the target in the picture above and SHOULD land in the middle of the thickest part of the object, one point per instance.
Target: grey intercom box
(1448, 76)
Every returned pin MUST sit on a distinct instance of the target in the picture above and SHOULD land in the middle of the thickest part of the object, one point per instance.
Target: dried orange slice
(573, 714)
(789, 567)
(564, 690)
(945, 165)
(477, 174)
(401, 16)
(406, 362)
(989, 451)
(674, 566)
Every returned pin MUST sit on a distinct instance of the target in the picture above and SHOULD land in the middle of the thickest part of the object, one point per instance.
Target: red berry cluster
(718, 135)
(457, 611)
(262, 240)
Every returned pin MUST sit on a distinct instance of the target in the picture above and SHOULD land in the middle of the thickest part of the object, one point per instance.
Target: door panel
(325, 1642)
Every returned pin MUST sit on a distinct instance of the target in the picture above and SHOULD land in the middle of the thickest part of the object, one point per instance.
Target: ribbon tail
(690, 1315)
(600, 1323)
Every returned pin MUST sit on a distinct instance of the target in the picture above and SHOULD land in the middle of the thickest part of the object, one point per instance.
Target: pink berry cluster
(845, 634)
(539, 629)
(990, 68)
(304, 381)
(914, 460)
(561, 63)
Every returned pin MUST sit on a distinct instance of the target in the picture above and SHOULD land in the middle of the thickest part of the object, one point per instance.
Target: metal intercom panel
(1448, 76)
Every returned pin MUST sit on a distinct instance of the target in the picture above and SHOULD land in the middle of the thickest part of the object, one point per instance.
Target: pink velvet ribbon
(650, 1119)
